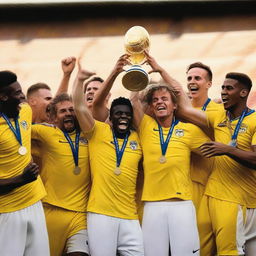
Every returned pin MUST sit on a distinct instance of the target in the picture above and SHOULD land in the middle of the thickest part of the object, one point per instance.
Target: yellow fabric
(230, 180)
(61, 225)
(218, 220)
(201, 167)
(12, 163)
(113, 195)
(171, 179)
(64, 188)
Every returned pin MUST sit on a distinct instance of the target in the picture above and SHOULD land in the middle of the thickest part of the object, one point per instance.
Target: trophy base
(135, 79)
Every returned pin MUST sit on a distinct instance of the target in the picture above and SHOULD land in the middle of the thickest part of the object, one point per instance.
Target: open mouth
(89, 99)
(193, 88)
(123, 124)
(68, 121)
(160, 108)
(224, 100)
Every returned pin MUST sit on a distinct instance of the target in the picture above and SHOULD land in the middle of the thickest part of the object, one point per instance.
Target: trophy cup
(136, 42)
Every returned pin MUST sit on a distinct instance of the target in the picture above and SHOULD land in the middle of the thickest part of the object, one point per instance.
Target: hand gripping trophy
(136, 42)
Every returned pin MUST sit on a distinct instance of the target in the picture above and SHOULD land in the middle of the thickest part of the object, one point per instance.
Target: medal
(75, 150)
(164, 143)
(22, 150)
(162, 159)
(117, 171)
(119, 153)
(77, 170)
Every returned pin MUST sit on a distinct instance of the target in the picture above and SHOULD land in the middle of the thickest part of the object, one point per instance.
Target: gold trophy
(136, 42)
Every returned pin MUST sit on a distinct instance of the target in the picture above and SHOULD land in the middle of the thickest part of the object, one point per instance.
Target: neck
(165, 121)
(237, 110)
(199, 102)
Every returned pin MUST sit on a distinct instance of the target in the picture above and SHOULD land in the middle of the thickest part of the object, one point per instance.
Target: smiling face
(65, 118)
(233, 94)
(198, 83)
(90, 92)
(121, 118)
(11, 99)
(162, 105)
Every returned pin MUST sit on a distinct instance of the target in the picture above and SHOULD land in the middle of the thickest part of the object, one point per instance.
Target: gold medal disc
(22, 150)
(77, 170)
(117, 171)
(162, 159)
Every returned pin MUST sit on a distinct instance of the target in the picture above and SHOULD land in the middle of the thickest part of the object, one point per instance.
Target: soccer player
(23, 230)
(227, 214)
(66, 176)
(199, 80)
(115, 152)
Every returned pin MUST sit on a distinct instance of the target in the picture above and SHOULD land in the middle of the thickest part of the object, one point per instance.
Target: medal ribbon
(164, 144)
(16, 129)
(119, 153)
(206, 104)
(238, 125)
(74, 148)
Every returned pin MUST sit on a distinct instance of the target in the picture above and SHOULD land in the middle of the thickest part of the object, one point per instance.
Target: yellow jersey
(201, 167)
(64, 188)
(111, 194)
(12, 163)
(171, 179)
(230, 180)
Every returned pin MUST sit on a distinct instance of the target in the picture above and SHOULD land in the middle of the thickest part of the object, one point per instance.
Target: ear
(32, 101)
(3, 97)
(244, 93)
(209, 84)
(175, 106)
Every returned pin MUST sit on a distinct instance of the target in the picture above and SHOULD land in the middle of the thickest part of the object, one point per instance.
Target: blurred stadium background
(35, 35)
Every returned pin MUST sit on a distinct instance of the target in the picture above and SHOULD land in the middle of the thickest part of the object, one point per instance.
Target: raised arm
(67, 65)
(83, 114)
(185, 111)
(138, 109)
(100, 111)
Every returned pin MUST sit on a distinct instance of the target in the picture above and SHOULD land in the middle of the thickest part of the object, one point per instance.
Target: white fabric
(250, 232)
(108, 235)
(24, 232)
(170, 226)
(78, 242)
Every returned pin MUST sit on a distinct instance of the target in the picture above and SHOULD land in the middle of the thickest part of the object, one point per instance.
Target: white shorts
(250, 232)
(24, 232)
(109, 235)
(78, 242)
(170, 227)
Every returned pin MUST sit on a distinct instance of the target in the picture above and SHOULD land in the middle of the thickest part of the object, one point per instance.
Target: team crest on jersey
(179, 132)
(24, 124)
(133, 145)
(83, 141)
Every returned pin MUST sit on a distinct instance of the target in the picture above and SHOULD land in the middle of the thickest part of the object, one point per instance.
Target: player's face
(91, 89)
(198, 83)
(162, 105)
(231, 93)
(65, 116)
(12, 98)
(43, 99)
(121, 118)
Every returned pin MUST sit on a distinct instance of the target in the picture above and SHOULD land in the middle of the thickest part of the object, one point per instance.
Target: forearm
(7, 185)
(63, 87)
(246, 158)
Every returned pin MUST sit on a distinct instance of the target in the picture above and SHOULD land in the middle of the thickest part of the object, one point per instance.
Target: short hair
(241, 78)
(159, 87)
(57, 99)
(120, 101)
(94, 79)
(35, 87)
(7, 78)
(202, 66)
